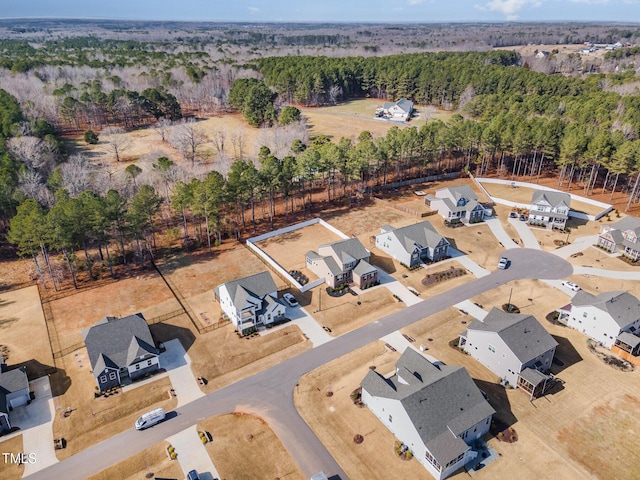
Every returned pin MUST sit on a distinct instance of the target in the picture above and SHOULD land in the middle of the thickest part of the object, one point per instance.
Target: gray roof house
(120, 349)
(412, 244)
(435, 410)
(251, 302)
(400, 110)
(341, 262)
(457, 204)
(602, 317)
(510, 345)
(623, 235)
(14, 392)
(549, 208)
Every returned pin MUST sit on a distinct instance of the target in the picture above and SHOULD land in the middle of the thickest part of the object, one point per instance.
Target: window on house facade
(112, 376)
(103, 379)
(492, 349)
(584, 314)
(137, 366)
(390, 419)
(149, 363)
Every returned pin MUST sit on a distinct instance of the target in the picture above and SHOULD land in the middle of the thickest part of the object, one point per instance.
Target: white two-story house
(457, 204)
(549, 209)
(622, 236)
(435, 410)
(250, 302)
(602, 317)
(413, 244)
(509, 345)
(343, 262)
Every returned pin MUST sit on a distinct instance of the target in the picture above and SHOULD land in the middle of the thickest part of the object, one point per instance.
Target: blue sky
(413, 11)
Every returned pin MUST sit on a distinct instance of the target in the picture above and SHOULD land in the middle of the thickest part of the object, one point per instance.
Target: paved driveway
(36, 425)
(178, 364)
(501, 235)
(527, 236)
(192, 455)
(270, 393)
(307, 324)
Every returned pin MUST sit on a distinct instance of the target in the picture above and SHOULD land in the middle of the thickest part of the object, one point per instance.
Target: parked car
(193, 475)
(503, 264)
(523, 218)
(513, 215)
(291, 300)
(571, 286)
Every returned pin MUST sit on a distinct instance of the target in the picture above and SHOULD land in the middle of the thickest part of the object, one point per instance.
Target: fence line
(404, 183)
(410, 211)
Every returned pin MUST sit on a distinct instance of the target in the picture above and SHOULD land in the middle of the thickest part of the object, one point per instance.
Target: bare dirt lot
(244, 447)
(289, 249)
(151, 462)
(364, 220)
(146, 293)
(9, 470)
(23, 331)
(93, 420)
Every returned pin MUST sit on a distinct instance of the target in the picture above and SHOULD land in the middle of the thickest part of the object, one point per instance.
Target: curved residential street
(270, 392)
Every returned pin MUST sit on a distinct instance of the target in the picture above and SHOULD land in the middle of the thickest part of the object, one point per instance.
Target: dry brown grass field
(365, 220)
(244, 447)
(11, 471)
(151, 462)
(93, 420)
(146, 293)
(23, 330)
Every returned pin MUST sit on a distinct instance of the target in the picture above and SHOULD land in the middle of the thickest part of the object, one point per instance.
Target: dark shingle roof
(522, 334)
(364, 267)
(441, 401)
(421, 233)
(623, 307)
(11, 381)
(347, 250)
(552, 198)
(258, 285)
(117, 342)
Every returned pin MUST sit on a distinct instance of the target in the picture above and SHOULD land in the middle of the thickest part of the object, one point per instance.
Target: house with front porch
(14, 392)
(400, 110)
(622, 236)
(413, 244)
(511, 345)
(435, 410)
(251, 302)
(603, 317)
(457, 204)
(343, 262)
(549, 209)
(120, 349)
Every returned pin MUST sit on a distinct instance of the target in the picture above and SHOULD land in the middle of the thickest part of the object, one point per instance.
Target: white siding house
(549, 209)
(250, 302)
(413, 244)
(457, 204)
(602, 317)
(508, 344)
(621, 236)
(14, 392)
(435, 410)
(400, 110)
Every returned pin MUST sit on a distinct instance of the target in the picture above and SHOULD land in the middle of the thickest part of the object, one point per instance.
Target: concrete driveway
(192, 455)
(307, 324)
(36, 425)
(467, 263)
(501, 235)
(524, 230)
(178, 365)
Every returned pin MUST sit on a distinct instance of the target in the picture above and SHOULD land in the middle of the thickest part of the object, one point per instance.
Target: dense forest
(69, 214)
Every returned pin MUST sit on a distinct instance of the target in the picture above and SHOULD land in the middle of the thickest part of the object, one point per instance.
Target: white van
(150, 418)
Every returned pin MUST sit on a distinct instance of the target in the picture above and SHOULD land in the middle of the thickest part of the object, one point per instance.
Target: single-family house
(400, 110)
(14, 392)
(602, 317)
(511, 345)
(413, 244)
(549, 209)
(120, 349)
(343, 262)
(251, 302)
(457, 204)
(622, 236)
(542, 54)
(435, 410)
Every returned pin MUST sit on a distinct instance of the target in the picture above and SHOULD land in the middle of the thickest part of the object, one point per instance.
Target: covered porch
(628, 342)
(534, 382)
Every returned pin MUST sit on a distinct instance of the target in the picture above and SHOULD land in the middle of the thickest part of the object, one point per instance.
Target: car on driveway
(571, 286)
(513, 215)
(523, 218)
(503, 264)
(291, 300)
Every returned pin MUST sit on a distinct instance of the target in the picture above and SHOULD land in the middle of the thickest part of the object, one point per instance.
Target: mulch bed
(442, 275)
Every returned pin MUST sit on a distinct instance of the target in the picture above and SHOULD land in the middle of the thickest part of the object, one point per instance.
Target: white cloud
(253, 10)
(511, 8)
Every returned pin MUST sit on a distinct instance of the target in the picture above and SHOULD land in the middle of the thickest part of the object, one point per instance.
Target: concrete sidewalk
(472, 309)
(192, 455)
(467, 263)
(36, 426)
(525, 233)
(178, 365)
(501, 235)
(599, 272)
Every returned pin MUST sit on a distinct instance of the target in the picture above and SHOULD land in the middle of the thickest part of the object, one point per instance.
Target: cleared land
(11, 471)
(524, 194)
(146, 293)
(289, 249)
(365, 220)
(151, 462)
(336, 420)
(244, 447)
(93, 420)
(23, 331)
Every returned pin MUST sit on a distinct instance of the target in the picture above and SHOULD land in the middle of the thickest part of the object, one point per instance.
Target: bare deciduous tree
(77, 175)
(238, 144)
(187, 138)
(116, 141)
(33, 152)
(161, 127)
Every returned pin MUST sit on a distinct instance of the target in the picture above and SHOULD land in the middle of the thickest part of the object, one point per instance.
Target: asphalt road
(270, 392)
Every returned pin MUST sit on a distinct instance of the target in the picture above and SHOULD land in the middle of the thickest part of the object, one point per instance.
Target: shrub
(91, 137)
